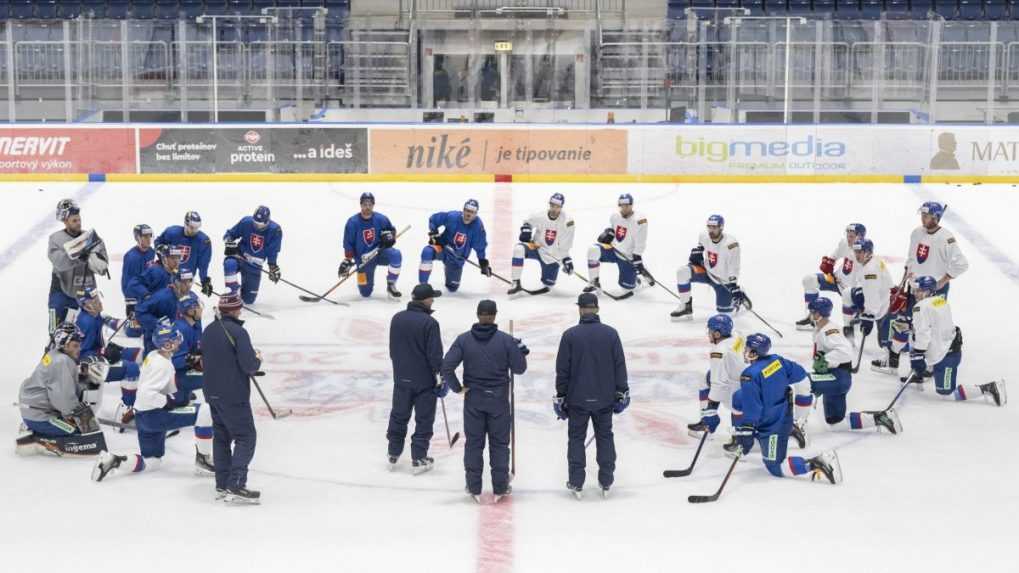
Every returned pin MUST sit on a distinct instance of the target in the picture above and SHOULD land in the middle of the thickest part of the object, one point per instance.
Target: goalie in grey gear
(77, 257)
(50, 399)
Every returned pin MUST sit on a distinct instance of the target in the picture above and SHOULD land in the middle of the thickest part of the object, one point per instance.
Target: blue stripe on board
(42, 228)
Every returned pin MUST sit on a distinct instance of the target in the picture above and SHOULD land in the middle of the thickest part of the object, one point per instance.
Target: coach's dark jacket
(487, 354)
(590, 366)
(415, 347)
(228, 364)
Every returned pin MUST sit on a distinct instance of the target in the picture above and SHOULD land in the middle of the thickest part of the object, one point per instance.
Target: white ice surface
(940, 497)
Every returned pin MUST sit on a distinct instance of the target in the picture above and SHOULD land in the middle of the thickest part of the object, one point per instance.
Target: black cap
(486, 307)
(423, 291)
(587, 300)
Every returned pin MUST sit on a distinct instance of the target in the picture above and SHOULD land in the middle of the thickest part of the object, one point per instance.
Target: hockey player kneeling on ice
(715, 262)
(157, 411)
(722, 378)
(154, 277)
(123, 362)
(77, 257)
(415, 349)
(487, 355)
(546, 237)
(229, 361)
(187, 360)
(136, 260)
(163, 306)
(368, 240)
(249, 244)
(623, 243)
(833, 377)
(763, 409)
(870, 297)
(591, 385)
(194, 246)
(56, 420)
(937, 348)
(832, 278)
(451, 237)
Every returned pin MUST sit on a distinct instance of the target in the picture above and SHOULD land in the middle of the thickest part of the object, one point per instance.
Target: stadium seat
(871, 9)
(825, 8)
(946, 9)
(897, 8)
(971, 10)
(215, 7)
(996, 10)
(920, 9)
(800, 7)
(5, 9)
(23, 9)
(239, 6)
(720, 3)
(46, 9)
(756, 7)
(143, 10)
(68, 10)
(117, 9)
(847, 9)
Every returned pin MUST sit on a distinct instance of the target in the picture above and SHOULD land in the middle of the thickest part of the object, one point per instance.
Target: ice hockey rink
(942, 496)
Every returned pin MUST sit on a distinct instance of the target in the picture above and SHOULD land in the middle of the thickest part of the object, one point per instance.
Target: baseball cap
(487, 307)
(587, 300)
(423, 291)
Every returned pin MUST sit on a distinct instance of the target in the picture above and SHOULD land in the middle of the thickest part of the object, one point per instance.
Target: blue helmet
(557, 199)
(720, 323)
(933, 208)
(193, 220)
(165, 335)
(865, 245)
(759, 343)
(625, 199)
(821, 305)
(366, 196)
(86, 295)
(261, 215)
(927, 284)
(858, 228)
(187, 302)
(142, 230)
(716, 221)
(471, 205)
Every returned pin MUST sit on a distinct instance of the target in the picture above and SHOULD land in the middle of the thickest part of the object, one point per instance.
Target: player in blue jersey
(162, 305)
(763, 409)
(155, 277)
(195, 246)
(187, 360)
(368, 240)
(451, 237)
(135, 262)
(124, 363)
(249, 244)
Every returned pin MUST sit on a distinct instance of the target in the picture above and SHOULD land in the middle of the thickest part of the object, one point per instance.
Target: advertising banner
(481, 150)
(67, 150)
(254, 150)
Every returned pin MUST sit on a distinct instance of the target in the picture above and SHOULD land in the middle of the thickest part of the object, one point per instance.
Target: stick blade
(307, 298)
(677, 473)
(283, 414)
(702, 498)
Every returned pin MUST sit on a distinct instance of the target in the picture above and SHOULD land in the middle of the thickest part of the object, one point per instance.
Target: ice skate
(106, 464)
(682, 312)
(243, 496)
(422, 465)
(576, 491)
(594, 286)
(887, 420)
(996, 391)
(805, 324)
(203, 465)
(888, 365)
(826, 466)
(392, 292)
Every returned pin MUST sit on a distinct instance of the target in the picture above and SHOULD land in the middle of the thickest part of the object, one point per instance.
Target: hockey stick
(494, 274)
(859, 356)
(905, 385)
(285, 281)
(249, 309)
(766, 323)
(589, 440)
(317, 298)
(273, 413)
(717, 494)
(513, 417)
(577, 274)
(451, 440)
(688, 470)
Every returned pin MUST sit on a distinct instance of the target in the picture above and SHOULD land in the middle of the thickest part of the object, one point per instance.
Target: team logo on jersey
(257, 242)
(712, 259)
(847, 266)
(550, 235)
(620, 233)
(922, 251)
(369, 236)
(460, 239)
(185, 253)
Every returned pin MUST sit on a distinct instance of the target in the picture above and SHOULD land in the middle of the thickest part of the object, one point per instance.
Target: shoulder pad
(870, 277)
(716, 354)
(734, 245)
(642, 221)
(831, 331)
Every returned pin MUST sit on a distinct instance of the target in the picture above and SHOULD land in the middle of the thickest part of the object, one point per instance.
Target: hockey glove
(387, 238)
(898, 301)
(433, 237)
(737, 295)
(526, 233)
(274, 273)
(866, 323)
(345, 268)
(709, 416)
(486, 269)
(113, 353)
(231, 248)
(697, 256)
(638, 265)
(567, 263)
(827, 265)
(820, 363)
(194, 360)
(744, 435)
(523, 347)
(622, 402)
(441, 389)
(129, 309)
(559, 406)
(207, 286)
(607, 236)
(918, 362)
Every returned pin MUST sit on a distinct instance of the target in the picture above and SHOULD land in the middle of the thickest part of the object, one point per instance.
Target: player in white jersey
(937, 347)
(933, 250)
(722, 379)
(714, 261)
(832, 377)
(837, 272)
(622, 243)
(158, 412)
(546, 237)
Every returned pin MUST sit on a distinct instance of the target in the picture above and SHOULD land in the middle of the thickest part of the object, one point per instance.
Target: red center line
(502, 244)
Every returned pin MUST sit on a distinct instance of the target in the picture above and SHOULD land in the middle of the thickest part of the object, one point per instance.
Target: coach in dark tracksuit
(590, 385)
(415, 348)
(487, 355)
(229, 361)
